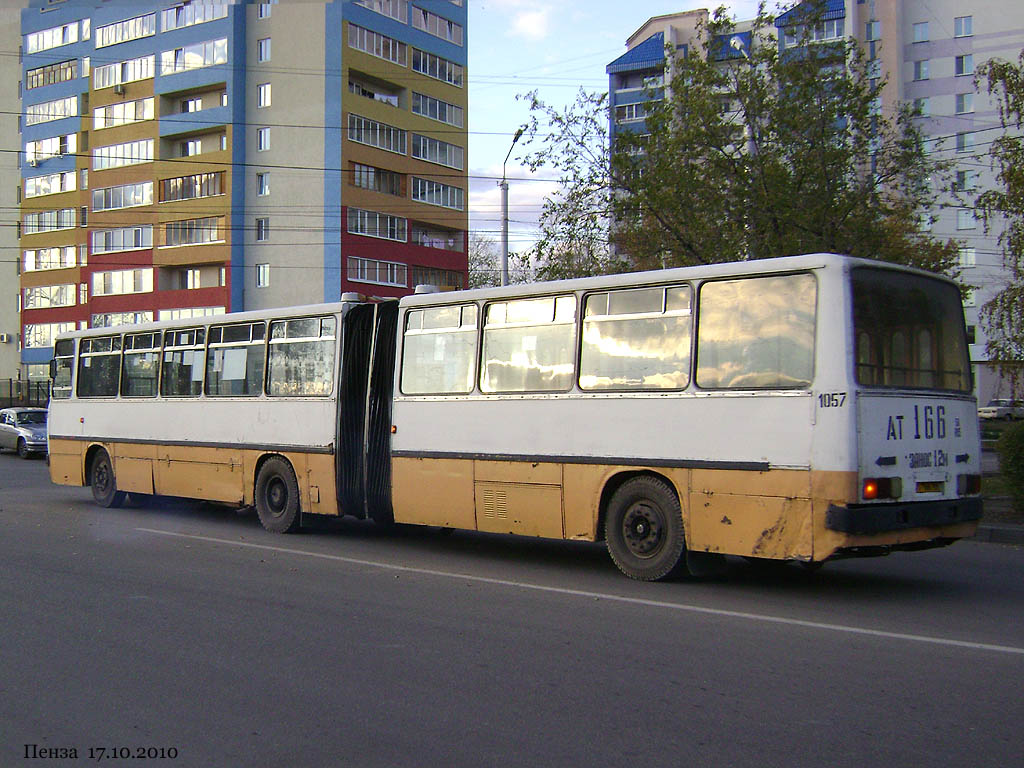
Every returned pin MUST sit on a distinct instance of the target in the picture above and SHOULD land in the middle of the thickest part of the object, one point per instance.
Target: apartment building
(928, 51)
(193, 158)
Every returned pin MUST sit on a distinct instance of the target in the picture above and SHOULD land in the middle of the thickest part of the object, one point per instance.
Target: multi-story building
(928, 51)
(193, 158)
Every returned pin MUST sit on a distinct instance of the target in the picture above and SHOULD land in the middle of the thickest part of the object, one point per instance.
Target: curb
(1000, 534)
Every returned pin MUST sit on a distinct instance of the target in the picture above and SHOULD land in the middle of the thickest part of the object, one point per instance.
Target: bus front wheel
(103, 482)
(644, 529)
(277, 496)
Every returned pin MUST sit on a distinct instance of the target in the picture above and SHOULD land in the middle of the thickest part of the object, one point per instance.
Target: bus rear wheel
(644, 530)
(103, 482)
(277, 496)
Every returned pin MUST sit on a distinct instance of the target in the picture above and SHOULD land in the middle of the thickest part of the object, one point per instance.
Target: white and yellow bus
(800, 408)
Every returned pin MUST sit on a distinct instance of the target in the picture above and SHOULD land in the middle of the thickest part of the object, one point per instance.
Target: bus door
(363, 458)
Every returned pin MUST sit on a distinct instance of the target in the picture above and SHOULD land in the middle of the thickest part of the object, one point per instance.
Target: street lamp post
(504, 210)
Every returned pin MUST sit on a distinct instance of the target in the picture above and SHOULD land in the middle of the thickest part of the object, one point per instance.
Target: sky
(516, 46)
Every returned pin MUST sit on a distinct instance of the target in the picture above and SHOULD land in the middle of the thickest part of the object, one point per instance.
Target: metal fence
(18, 392)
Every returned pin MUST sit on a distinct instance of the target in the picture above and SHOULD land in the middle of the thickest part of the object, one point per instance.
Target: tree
(1003, 315)
(485, 264)
(747, 152)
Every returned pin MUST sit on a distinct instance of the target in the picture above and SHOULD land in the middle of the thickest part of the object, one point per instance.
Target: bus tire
(277, 496)
(644, 530)
(103, 482)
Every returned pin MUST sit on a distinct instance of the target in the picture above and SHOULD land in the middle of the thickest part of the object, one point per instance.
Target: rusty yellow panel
(433, 492)
(582, 491)
(200, 473)
(133, 466)
(518, 472)
(66, 462)
(530, 510)
(837, 487)
(776, 482)
(320, 484)
(758, 526)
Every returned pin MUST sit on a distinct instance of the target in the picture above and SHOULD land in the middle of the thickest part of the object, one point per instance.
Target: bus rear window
(908, 332)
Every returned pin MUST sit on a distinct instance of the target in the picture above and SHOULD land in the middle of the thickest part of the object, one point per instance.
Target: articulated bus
(793, 409)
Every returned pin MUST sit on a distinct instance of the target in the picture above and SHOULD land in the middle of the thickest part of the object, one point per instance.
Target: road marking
(757, 617)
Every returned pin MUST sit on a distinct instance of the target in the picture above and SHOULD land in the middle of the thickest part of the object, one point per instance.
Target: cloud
(532, 24)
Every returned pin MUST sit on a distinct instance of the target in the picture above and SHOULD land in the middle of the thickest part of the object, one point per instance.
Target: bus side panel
(433, 492)
(214, 474)
(133, 467)
(519, 497)
(67, 462)
(759, 514)
(317, 486)
(582, 490)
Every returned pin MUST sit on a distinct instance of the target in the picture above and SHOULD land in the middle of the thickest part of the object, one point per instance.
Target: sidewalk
(997, 524)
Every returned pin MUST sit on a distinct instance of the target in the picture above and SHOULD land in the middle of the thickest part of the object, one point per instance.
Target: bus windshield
(909, 332)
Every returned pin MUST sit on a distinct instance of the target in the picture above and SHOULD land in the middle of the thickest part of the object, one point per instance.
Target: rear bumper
(861, 519)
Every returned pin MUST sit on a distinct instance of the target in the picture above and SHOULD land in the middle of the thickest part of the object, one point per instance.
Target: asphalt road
(186, 627)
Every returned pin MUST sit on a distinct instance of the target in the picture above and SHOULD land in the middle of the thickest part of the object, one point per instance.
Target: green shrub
(1011, 461)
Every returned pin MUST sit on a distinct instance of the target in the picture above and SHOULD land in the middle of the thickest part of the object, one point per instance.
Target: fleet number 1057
(831, 399)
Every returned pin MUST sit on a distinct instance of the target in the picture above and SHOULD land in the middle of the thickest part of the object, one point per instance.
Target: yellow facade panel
(185, 255)
(50, 277)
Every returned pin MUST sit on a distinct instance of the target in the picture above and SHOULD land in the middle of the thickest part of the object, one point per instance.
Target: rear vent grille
(495, 504)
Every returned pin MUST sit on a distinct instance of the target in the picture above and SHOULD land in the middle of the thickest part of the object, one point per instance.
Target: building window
(48, 221)
(436, 109)
(123, 31)
(262, 229)
(376, 44)
(262, 275)
(964, 142)
(124, 113)
(396, 9)
(55, 146)
(964, 103)
(435, 193)
(631, 113)
(968, 257)
(122, 239)
(118, 155)
(262, 184)
(921, 32)
(192, 231)
(436, 151)
(963, 26)
(191, 13)
(196, 56)
(123, 196)
(51, 74)
(191, 147)
(375, 134)
(964, 65)
(51, 184)
(263, 49)
(59, 257)
(193, 104)
(122, 281)
(47, 296)
(123, 72)
(193, 186)
(443, 278)
(263, 95)
(970, 299)
(378, 272)
(51, 110)
(263, 10)
(54, 37)
(374, 224)
(922, 106)
(921, 69)
(965, 219)
(872, 31)
(377, 179)
(434, 66)
(965, 180)
(262, 139)
(438, 26)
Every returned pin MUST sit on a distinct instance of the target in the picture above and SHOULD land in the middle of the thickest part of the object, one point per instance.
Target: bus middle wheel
(277, 496)
(644, 529)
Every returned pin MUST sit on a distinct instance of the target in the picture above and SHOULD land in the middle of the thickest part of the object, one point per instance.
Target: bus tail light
(968, 485)
(882, 488)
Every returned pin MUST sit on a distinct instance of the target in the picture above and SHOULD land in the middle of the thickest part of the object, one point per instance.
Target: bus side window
(141, 365)
(529, 345)
(637, 339)
(439, 350)
(756, 332)
(184, 359)
(301, 358)
(99, 366)
(234, 362)
(64, 357)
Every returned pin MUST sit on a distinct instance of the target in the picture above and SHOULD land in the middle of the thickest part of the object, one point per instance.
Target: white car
(1002, 409)
(23, 430)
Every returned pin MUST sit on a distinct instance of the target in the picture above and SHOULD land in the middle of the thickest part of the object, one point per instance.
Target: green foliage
(1011, 461)
(1003, 316)
(748, 156)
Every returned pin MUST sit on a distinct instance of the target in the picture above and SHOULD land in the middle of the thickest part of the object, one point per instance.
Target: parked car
(1002, 409)
(23, 430)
